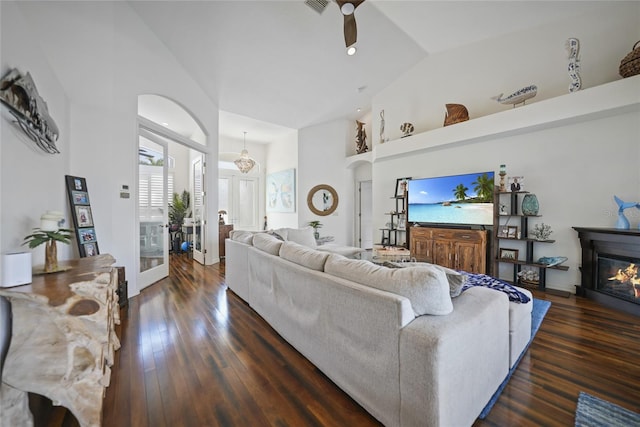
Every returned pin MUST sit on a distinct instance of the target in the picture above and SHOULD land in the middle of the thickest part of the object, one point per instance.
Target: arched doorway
(171, 193)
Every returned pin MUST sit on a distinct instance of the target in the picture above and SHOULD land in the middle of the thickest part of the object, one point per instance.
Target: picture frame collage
(82, 216)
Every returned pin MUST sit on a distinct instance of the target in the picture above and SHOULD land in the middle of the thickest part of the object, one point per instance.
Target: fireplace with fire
(610, 267)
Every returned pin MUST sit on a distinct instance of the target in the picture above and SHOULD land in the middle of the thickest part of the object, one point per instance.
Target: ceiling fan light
(347, 8)
(351, 50)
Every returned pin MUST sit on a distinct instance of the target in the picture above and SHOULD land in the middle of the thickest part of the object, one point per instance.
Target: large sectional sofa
(394, 339)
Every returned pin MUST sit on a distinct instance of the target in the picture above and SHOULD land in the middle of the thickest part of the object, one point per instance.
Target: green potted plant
(316, 225)
(179, 209)
(49, 233)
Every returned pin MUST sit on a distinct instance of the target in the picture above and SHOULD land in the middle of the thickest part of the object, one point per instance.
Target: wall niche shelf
(609, 99)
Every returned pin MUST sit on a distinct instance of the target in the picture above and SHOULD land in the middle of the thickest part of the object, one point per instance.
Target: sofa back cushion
(302, 236)
(267, 243)
(242, 236)
(427, 289)
(303, 255)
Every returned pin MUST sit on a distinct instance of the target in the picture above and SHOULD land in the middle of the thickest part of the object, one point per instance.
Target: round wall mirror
(322, 200)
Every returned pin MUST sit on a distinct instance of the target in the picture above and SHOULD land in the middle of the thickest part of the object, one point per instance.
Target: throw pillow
(427, 289)
(456, 280)
(302, 236)
(267, 243)
(303, 255)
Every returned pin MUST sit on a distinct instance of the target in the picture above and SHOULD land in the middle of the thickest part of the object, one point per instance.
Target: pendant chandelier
(245, 163)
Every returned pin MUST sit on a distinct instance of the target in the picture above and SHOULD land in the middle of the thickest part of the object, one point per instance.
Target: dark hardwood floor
(194, 354)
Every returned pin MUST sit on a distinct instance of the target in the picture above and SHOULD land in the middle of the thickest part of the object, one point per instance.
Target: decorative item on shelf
(516, 183)
(361, 138)
(244, 163)
(529, 277)
(573, 46)
(455, 113)
(316, 225)
(382, 141)
(541, 231)
(502, 173)
(401, 186)
(550, 261)
(518, 97)
(503, 209)
(407, 129)
(50, 233)
(530, 204)
(221, 214)
(630, 64)
(18, 92)
(509, 254)
(623, 223)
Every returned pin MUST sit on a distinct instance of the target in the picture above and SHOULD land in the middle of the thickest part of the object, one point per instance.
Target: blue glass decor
(530, 205)
(623, 223)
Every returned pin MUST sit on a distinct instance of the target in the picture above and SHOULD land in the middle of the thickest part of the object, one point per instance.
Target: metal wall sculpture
(18, 92)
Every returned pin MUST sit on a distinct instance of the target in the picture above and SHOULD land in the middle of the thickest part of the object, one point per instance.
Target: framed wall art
(281, 191)
(79, 201)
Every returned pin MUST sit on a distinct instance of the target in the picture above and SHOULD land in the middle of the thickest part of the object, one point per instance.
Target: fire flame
(629, 274)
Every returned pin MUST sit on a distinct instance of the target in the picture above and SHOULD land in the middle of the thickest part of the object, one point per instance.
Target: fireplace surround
(610, 267)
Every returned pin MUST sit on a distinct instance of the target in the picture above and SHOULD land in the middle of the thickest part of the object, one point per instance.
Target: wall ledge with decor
(606, 100)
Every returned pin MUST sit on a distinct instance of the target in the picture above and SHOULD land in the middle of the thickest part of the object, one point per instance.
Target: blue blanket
(474, 279)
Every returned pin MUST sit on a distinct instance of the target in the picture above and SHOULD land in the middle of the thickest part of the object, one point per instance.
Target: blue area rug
(539, 310)
(595, 412)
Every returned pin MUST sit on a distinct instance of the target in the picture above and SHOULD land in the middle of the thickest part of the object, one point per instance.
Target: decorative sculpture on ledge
(18, 92)
(361, 138)
(623, 223)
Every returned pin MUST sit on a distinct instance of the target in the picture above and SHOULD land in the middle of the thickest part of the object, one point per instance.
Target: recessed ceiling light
(351, 50)
(358, 109)
(165, 124)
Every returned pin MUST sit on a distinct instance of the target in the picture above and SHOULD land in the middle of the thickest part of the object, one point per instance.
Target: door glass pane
(152, 204)
(197, 205)
(247, 199)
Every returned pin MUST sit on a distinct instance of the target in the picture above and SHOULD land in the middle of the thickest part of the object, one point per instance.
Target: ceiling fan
(347, 7)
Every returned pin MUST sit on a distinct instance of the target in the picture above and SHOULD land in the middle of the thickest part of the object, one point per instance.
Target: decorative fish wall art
(518, 97)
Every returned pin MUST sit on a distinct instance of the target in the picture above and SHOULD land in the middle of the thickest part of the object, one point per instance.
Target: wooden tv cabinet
(450, 247)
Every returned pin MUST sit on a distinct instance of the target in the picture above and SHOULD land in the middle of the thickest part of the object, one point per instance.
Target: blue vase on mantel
(530, 204)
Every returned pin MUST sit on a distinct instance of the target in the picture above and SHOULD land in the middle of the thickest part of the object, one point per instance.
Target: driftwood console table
(63, 341)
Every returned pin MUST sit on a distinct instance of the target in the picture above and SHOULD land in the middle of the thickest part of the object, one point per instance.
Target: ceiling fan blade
(350, 30)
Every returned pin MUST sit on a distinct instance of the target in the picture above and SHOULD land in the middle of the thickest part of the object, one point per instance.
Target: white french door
(153, 187)
(238, 195)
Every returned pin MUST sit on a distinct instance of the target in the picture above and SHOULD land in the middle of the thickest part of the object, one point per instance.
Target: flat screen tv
(457, 199)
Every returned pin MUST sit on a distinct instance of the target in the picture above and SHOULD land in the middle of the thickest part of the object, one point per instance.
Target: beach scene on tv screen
(456, 199)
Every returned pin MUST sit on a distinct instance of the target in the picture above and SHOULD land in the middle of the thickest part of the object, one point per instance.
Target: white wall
(32, 180)
(283, 155)
(471, 75)
(574, 169)
(104, 57)
(321, 160)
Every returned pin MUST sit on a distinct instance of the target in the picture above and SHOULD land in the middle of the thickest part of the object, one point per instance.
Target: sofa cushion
(267, 243)
(427, 289)
(242, 236)
(302, 236)
(347, 251)
(303, 255)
